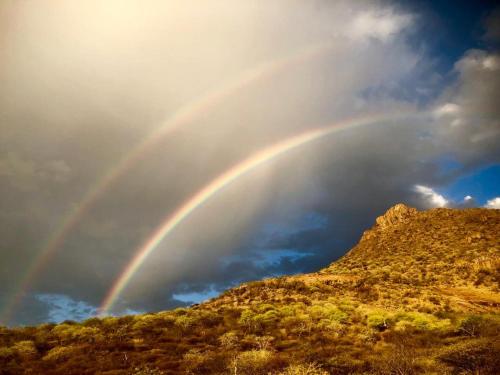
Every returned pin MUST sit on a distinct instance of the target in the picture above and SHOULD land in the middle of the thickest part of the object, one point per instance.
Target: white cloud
(467, 198)
(381, 25)
(493, 203)
(491, 63)
(477, 60)
(447, 110)
(435, 199)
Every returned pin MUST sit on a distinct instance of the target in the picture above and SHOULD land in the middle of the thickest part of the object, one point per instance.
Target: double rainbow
(237, 171)
(183, 116)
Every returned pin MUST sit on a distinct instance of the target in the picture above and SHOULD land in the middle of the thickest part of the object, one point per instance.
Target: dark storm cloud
(492, 26)
(83, 83)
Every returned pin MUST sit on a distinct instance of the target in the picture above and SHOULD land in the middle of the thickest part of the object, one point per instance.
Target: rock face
(400, 213)
(396, 215)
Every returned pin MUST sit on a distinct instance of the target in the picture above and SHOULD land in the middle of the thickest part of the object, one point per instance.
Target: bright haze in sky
(118, 115)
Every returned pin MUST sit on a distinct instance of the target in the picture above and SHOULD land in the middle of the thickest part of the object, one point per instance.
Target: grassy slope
(418, 294)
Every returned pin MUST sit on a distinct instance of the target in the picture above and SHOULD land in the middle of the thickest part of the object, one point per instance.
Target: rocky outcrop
(397, 214)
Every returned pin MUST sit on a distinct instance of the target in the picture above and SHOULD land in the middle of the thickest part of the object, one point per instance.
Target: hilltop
(418, 294)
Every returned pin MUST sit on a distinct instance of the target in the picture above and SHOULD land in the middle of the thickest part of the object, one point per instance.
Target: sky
(168, 126)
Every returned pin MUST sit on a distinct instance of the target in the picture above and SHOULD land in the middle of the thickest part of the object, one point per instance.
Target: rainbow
(216, 185)
(182, 116)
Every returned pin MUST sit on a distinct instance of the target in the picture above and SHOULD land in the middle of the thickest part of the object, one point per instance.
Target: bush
(475, 356)
(110, 322)
(67, 332)
(229, 340)
(185, 322)
(303, 369)
(247, 319)
(208, 318)
(92, 322)
(401, 360)
(194, 360)
(328, 311)
(378, 320)
(25, 349)
(420, 321)
(6, 353)
(471, 325)
(59, 353)
(253, 362)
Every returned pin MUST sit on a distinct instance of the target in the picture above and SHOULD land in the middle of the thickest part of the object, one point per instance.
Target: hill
(418, 294)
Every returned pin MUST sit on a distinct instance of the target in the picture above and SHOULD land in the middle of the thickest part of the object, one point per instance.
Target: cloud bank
(493, 203)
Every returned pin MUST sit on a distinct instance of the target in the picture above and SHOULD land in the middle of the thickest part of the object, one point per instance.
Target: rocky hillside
(435, 260)
(418, 294)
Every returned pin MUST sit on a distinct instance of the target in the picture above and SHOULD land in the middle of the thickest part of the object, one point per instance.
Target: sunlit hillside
(418, 294)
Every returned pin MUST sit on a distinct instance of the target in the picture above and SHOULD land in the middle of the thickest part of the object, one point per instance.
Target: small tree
(471, 325)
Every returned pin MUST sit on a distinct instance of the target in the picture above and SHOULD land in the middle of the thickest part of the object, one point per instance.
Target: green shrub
(420, 321)
(471, 325)
(185, 322)
(379, 320)
(328, 311)
(247, 319)
(262, 308)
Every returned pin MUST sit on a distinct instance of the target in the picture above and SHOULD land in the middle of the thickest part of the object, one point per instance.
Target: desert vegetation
(417, 295)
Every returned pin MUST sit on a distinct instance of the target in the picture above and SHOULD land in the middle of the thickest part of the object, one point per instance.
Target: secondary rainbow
(216, 185)
(184, 115)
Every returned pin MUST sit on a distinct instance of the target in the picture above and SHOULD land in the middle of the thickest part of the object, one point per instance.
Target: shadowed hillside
(418, 294)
